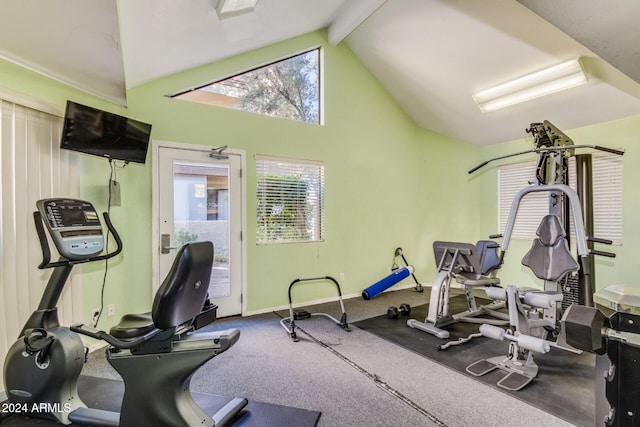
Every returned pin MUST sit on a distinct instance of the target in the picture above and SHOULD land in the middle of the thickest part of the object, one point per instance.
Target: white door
(199, 198)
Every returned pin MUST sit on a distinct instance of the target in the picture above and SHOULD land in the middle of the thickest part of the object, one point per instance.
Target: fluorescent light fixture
(555, 79)
(228, 8)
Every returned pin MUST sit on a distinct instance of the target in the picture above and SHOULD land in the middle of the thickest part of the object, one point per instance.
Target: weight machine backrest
(458, 258)
(489, 256)
(549, 257)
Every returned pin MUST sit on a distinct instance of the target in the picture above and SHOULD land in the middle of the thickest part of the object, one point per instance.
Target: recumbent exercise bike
(156, 353)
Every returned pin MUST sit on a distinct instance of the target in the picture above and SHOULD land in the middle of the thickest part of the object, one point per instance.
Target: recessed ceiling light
(228, 8)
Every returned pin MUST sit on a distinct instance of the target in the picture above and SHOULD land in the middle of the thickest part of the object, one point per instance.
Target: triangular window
(289, 88)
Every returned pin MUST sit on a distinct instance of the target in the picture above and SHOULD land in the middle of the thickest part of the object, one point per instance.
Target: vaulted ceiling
(430, 55)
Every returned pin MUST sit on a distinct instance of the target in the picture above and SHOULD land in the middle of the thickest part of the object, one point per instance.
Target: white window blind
(607, 197)
(533, 207)
(32, 167)
(289, 200)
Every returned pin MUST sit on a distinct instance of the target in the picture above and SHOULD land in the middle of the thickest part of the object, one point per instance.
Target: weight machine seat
(549, 257)
(487, 264)
(179, 299)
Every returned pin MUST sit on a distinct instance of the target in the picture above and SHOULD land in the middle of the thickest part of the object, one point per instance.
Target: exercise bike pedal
(301, 314)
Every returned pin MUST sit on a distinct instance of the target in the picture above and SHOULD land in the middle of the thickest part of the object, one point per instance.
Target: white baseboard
(324, 300)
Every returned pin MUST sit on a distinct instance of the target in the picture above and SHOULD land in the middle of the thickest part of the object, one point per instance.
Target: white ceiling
(430, 55)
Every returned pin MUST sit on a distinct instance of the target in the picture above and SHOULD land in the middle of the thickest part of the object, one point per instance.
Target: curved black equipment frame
(303, 314)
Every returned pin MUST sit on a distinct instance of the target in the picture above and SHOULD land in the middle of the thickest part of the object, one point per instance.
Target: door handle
(165, 244)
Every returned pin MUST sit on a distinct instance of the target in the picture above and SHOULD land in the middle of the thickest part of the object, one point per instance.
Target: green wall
(383, 178)
(388, 183)
(381, 171)
(621, 134)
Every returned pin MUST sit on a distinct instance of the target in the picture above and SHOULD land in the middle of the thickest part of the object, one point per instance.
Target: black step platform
(101, 393)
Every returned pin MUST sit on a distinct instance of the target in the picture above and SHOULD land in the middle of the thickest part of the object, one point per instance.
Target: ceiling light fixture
(555, 79)
(228, 8)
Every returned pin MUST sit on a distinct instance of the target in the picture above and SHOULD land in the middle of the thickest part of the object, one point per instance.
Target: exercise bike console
(74, 227)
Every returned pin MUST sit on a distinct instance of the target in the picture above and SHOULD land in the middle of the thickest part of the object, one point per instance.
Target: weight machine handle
(608, 150)
(546, 150)
(599, 240)
(602, 253)
(472, 170)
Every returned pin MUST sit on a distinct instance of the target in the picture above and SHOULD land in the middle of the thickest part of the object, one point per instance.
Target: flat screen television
(92, 131)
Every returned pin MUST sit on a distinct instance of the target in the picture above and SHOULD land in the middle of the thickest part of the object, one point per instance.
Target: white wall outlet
(111, 310)
(342, 277)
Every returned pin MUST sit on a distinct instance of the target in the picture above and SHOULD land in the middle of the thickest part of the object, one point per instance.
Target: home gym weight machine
(155, 354)
(472, 266)
(534, 315)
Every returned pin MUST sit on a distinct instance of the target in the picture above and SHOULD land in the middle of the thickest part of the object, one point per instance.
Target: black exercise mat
(564, 386)
(107, 394)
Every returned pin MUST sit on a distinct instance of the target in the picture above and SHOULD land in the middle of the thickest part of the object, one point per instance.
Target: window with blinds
(607, 197)
(289, 200)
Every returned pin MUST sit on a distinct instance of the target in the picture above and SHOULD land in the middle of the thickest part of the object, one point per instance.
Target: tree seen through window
(289, 89)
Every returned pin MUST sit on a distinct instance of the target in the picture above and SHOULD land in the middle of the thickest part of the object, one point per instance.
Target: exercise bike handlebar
(46, 252)
(117, 343)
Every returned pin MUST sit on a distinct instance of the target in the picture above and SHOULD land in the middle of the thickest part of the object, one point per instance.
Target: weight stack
(571, 292)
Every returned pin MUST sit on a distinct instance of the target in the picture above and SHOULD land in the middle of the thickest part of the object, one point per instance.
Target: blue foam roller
(387, 282)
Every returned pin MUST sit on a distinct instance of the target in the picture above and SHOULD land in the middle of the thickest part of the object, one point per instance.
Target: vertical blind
(32, 167)
(289, 200)
(607, 197)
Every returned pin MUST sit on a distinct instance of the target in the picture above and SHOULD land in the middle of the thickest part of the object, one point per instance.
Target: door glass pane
(201, 213)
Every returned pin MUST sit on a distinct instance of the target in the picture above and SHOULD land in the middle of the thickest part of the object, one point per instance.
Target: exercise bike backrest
(76, 232)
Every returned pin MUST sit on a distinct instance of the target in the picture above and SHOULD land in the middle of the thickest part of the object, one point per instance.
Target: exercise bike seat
(160, 351)
(178, 301)
(133, 326)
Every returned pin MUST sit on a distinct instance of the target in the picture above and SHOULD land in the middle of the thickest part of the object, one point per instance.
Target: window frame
(320, 52)
(316, 234)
